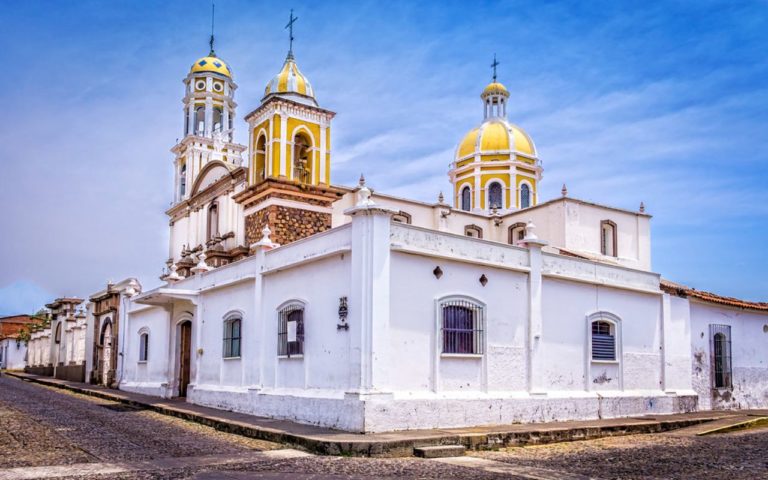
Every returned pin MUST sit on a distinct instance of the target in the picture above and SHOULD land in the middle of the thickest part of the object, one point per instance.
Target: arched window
(516, 233)
(232, 336)
(302, 158)
(525, 196)
(290, 330)
(186, 121)
(213, 220)
(721, 355)
(495, 193)
(603, 340)
(260, 158)
(608, 238)
(466, 199)
(402, 217)
(231, 120)
(182, 180)
(462, 325)
(473, 231)
(57, 336)
(143, 347)
(217, 117)
(200, 120)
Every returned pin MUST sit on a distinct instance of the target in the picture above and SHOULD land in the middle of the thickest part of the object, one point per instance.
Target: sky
(659, 102)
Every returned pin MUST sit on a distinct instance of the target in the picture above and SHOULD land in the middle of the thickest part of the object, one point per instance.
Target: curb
(390, 448)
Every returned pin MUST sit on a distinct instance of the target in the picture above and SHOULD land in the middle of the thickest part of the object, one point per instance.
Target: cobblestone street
(48, 433)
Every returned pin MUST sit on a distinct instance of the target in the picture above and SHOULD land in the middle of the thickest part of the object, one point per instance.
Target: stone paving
(78, 437)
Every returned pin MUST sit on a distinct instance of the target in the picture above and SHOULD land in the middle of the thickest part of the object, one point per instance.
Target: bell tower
(290, 143)
(209, 114)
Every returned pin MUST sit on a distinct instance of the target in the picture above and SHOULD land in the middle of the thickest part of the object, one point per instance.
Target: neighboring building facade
(103, 356)
(58, 350)
(13, 349)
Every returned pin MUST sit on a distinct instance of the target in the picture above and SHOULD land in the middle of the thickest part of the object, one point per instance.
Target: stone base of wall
(383, 413)
(70, 373)
(287, 224)
(42, 371)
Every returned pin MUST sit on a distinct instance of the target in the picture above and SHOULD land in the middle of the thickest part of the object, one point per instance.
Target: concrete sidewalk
(333, 442)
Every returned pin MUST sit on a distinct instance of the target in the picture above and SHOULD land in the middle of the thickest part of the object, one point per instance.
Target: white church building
(291, 297)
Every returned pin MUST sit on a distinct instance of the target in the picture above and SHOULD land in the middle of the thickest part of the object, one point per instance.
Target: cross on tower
(494, 65)
(291, 21)
(213, 11)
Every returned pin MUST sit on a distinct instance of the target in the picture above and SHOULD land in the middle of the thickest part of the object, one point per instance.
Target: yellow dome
(495, 136)
(213, 64)
(290, 80)
(495, 88)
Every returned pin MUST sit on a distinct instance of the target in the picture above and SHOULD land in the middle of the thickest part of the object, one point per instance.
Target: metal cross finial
(494, 65)
(291, 21)
(213, 11)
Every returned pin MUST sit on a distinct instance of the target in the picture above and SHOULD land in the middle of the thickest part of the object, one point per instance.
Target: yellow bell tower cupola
(496, 166)
(209, 113)
(290, 157)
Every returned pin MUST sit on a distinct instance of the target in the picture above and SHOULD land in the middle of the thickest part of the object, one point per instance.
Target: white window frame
(609, 317)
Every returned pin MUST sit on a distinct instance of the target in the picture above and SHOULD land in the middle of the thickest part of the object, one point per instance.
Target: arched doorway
(185, 356)
(106, 353)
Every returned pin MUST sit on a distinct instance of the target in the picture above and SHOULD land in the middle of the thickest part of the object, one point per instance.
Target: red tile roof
(688, 292)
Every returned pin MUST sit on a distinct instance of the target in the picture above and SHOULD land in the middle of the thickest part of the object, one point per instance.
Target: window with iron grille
(143, 347)
(232, 337)
(720, 338)
(290, 330)
(461, 327)
(603, 340)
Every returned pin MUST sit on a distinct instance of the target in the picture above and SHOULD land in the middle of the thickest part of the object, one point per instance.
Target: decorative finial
(564, 191)
(173, 276)
(201, 265)
(530, 231)
(363, 194)
(213, 13)
(642, 207)
(291, 21)
(494, 65)
(265, 233)
(440, 198)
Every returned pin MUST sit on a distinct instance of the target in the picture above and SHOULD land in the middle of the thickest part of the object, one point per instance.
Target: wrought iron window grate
(462, 327)
(720, 343)
(290, 331)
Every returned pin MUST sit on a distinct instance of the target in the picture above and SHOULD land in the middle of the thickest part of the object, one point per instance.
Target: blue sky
(661, 102)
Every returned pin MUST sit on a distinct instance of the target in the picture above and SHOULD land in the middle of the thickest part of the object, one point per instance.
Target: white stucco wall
(749, 353)
(12, 354)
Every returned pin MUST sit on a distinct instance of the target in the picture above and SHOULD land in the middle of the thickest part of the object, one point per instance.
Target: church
(288, 296)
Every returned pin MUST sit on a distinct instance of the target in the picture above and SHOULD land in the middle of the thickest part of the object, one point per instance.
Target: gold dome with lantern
(211, 63)
(496, 165)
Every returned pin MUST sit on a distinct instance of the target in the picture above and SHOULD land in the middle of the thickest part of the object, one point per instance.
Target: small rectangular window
(603, 341)
(462, 327)
(290, 331)
(232, 338)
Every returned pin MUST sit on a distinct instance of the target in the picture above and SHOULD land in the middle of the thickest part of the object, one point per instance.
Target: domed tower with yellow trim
(496, 164)
(209, 114)
(290, 159)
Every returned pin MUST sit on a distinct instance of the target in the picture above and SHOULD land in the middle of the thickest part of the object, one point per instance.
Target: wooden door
(185, 351)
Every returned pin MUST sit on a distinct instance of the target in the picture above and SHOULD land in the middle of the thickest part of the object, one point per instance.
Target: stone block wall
(287, 224)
